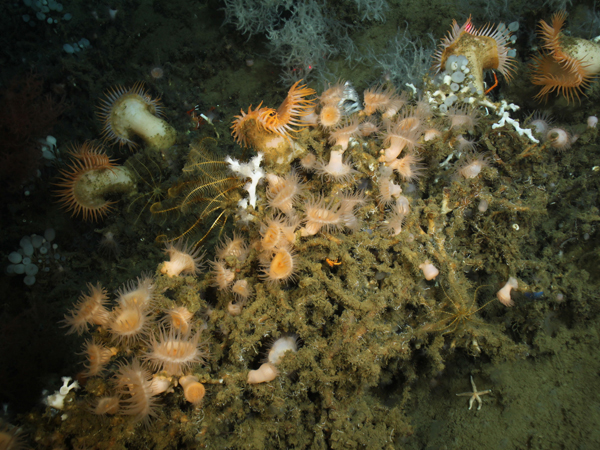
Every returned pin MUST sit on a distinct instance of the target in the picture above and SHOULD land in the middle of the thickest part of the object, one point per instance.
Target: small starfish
(475, 395)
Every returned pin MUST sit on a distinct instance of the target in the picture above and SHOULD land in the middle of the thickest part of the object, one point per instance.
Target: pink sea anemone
(399, 137)
(341, 136)
(134, 385)
(129, 323)
(337, 169)
(97, 357)
(559, 138)
(464, 116)
(472, 165)
(183, 259)
(281, 268)
(90, 309)
(234, 247)
(223, 277)
(409, 167)
(284, 192)
(174, 352)
(384, 100)
(141, 294)
(321, 215)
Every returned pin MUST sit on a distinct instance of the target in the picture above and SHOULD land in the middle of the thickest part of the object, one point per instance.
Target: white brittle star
(475, 395)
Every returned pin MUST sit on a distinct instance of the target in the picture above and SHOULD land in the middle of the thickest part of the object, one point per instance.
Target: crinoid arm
(457, 318)
(205, 197)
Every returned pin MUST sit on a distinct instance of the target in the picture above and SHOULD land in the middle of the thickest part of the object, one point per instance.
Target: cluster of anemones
(556, 137)
(126, 113)
(276, 254)
(230, 255)
(403, 128)
(171, 350)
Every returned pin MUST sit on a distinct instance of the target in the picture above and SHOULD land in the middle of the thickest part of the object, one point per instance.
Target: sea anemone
(330, 116)
(281, 268)
(283, 193)
(281, 121)
(265, 373)
(182, 260)
(402, 205)
(463, 117)
(174, 352)
(429, 270)
(234, 247)
(341, 136)
(10, 438)
(431, 133)
(348, 202)
(109, 245)
(334, 95)
(504, 293)
(278, 232)
(394, 222)
(540, 122)
(369, 127)
(484, 48)
(134, 385)
(141, 294)
(287, 343)
(559, 138)
(383, 100)
(90, 309)
(308, 162)
(97, 357)
(397, 138)
(410, 120)
(90, 177)
(132, 112)
(472, 165)
(222, 276)
(567, 65)
(423, 108)
(388, 190)
(268, 371)
(336, 170)
(179, 318)
(129, 323)
(193, 390)
(242, 290)
(106, 405)
(320, 215)
(408, 167)
(463, 144)
(235, 308)
(160, 384)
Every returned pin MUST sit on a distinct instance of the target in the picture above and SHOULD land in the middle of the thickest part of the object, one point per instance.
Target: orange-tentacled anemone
(269, 130)
(88, 179)
(566, 65)
(484, 48)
